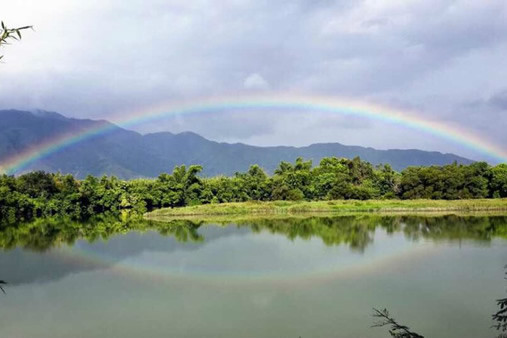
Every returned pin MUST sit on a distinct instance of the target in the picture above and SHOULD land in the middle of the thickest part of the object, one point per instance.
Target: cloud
(256, 82)
(103, 58)
(499, 100)
(229, 126)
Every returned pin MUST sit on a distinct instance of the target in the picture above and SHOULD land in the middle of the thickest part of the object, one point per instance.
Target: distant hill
(128, 154)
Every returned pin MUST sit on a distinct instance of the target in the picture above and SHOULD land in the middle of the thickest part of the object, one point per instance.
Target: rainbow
(465, 138)
(148, 268)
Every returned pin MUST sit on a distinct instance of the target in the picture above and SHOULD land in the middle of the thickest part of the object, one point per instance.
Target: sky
(444, 60)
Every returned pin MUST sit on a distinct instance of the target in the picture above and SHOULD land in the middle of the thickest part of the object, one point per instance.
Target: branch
(7, 34)
(396, 330)
(501, 315)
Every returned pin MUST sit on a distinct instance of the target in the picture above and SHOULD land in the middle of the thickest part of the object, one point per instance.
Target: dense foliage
(40, 194)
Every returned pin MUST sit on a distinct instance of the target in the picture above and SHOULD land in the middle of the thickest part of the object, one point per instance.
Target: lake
(317, 276)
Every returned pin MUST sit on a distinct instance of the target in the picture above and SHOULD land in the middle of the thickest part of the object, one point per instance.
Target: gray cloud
(499, 100)
(104, 58)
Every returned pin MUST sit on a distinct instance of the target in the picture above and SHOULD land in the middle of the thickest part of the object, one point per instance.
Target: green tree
(387, 181)
(256, 183)
(498, 181)
(293, 182)
(182, 187)
(475, 177)
(41, 194)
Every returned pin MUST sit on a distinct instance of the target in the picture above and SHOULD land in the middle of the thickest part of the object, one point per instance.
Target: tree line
(41, 194)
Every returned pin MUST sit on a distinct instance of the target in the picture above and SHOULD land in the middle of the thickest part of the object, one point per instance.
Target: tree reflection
(356, 231)
(44, 234)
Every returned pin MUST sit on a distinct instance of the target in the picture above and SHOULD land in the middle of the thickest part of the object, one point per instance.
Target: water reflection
(315, 276)
(29, 258)
(397, 330)
(117, 239)
(356, 231)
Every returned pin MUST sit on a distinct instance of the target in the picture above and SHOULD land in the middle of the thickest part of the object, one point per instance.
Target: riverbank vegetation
(40, 194)
(334, 206)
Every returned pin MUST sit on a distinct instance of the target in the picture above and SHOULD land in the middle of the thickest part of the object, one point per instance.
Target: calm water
(308, 277)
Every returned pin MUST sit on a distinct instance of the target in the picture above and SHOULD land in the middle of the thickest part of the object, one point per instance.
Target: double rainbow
(332, 105)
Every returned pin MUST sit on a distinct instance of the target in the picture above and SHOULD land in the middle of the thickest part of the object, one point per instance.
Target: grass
(338, 206)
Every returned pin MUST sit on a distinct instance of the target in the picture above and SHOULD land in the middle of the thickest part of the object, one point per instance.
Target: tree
(182, 187)
(498, 181)
(387, 181)
(475, 180)
(254, 183)
(293, 182)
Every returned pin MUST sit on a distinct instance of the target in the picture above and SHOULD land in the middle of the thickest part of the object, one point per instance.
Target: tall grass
(337, 206)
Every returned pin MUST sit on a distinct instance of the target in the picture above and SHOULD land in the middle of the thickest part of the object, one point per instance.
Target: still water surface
(292, 277)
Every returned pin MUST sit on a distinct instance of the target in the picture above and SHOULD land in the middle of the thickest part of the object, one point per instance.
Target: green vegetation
(356, 231)
(45, 233)
(342, 206)
(40, 194)
(7, 34)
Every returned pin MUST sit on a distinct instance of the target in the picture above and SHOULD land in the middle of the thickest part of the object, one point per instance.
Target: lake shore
(332, 207)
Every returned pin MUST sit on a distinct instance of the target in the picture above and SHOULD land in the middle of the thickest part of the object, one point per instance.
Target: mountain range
(128, 154)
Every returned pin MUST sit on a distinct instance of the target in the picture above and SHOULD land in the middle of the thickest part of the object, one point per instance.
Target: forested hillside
(127, 154)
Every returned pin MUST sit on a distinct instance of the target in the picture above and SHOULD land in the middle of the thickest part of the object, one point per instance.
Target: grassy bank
(339, 206)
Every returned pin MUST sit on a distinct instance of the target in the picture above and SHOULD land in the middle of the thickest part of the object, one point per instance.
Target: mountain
(128, 154)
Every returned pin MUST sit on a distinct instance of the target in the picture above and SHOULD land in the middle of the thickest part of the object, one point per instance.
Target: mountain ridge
(129, 154)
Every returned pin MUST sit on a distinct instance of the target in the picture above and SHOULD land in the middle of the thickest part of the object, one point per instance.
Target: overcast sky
(446, 60)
